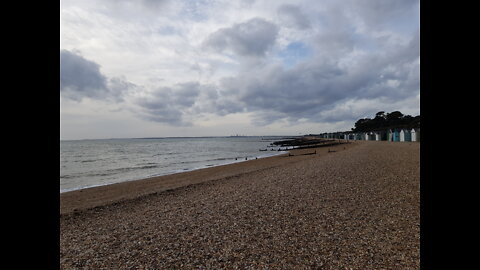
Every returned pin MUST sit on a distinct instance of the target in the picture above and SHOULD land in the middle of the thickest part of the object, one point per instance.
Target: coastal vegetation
(383, 121)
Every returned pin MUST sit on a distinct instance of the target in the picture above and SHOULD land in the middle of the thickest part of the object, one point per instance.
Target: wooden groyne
(307, 142)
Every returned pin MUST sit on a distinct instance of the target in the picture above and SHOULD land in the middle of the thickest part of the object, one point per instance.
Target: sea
(90, 163)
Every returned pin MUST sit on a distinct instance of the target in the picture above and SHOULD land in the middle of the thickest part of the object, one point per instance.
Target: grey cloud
(147, 4)
(308, 89)
(251, 38)
(334, 43)
(317, 90)
(375, 13)
(320, 89)
(292, 16)
(170, 104)
(81, 78)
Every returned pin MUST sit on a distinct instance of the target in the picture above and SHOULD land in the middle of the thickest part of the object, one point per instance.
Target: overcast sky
(147, 68)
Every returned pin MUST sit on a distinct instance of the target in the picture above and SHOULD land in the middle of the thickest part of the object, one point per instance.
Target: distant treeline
(385, 121)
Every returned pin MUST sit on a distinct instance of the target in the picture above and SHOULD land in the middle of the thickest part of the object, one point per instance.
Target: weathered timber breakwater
(307, 142)
(355, 208)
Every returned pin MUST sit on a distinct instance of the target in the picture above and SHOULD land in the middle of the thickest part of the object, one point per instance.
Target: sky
(161, 68)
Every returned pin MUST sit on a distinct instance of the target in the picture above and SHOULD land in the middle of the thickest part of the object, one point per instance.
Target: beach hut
(384, 135)
(396, 135)
(405, 135)
(415, 133)
(393, 135)
(381, 135)
(370, 136)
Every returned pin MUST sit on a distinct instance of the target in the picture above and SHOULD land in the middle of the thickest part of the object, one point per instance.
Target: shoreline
(101, 195)
(173, 172)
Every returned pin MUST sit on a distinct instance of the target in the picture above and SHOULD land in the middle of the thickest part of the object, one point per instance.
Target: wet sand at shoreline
(355, 208)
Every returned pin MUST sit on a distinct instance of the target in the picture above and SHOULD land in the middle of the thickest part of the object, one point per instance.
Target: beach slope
(355, 207)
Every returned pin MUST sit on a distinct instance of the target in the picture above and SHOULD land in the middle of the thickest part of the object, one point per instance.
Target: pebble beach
(349, 206)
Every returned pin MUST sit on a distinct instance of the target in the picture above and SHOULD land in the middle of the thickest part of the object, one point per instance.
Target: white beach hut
(415, 134)
(405, 135)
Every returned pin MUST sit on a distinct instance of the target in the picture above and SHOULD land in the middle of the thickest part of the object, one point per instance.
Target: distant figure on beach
(245, 158)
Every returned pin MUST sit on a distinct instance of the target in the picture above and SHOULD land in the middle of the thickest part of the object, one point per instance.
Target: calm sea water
(87, 163)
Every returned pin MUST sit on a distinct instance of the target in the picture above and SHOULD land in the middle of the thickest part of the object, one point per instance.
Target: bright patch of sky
(294, 53)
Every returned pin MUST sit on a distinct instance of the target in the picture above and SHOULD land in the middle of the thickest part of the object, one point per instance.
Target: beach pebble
(354, 209)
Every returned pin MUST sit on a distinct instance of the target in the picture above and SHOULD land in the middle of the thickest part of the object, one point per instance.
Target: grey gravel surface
(353, 209)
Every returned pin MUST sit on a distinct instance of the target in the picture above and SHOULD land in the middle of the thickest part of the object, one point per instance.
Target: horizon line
(173, 137)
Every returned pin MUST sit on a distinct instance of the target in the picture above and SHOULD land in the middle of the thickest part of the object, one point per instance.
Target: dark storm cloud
(81, 78)
(251, 38)
(292, 16)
